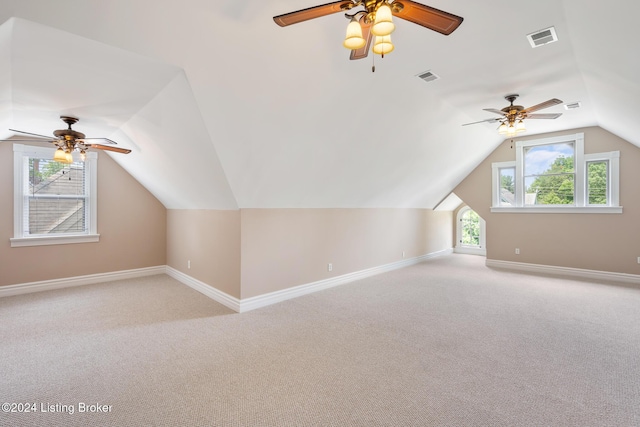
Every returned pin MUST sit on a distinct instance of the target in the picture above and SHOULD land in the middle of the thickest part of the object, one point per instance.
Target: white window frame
(20, 186)
(580, 204)
(495, 179)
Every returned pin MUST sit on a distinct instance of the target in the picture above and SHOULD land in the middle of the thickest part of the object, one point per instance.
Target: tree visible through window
(597, 182)
(507, 186)
(470, 227)
(550, 174)
(556, 175)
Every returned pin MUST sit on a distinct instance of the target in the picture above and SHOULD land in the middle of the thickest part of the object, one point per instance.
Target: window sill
(558, 209)
(470, 250)
(18, 242)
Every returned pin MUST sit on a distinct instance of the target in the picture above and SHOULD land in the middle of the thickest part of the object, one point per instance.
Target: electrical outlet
(517, 251)
(189, 264)
(329, 267)
(639, 260)
(402, 254)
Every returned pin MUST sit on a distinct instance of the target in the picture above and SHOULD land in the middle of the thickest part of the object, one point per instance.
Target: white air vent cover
(542, 37)
(428, 76)
(572, 106)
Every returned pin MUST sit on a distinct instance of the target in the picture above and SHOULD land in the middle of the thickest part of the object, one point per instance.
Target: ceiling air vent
(572, 106)
(428, 76)
(542, 37)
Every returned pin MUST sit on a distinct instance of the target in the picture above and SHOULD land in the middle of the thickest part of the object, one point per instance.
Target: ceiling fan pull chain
(373, 63)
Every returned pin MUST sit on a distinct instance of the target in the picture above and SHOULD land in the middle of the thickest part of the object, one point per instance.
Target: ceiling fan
(375, 19)
(68, 140)
(513, 116)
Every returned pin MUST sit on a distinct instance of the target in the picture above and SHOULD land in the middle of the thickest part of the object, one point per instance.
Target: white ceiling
(223, 109)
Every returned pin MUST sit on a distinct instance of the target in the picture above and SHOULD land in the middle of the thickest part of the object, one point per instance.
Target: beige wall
(131, 224)
(210, 239)
(243, 253)
(282, 248)
(605, 242)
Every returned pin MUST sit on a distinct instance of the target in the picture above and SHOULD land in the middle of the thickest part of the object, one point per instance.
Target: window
(54, 203)
(549, 174)
(554, 175)
(470, 232)
(470, 228)
(507, 195)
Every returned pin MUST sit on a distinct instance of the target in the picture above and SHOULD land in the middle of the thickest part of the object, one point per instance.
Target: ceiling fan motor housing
(69, 134)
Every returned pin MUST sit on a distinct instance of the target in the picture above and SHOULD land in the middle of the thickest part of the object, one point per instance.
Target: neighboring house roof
(58, 215)
(507, 198)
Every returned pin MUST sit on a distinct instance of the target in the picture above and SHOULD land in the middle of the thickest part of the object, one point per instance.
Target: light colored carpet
(448, 342)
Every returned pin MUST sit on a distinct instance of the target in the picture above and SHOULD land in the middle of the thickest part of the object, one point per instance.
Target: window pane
(542, 159)
(56, 200)
(507, 186)
(549, 177)
(470, 223)
(597, 178)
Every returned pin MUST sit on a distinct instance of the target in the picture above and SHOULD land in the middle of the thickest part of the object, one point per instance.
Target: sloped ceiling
(223, 109)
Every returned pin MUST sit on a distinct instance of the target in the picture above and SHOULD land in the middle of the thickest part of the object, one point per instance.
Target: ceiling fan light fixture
(383, 24)
(354, 39)
(520, 127)
(511, 130)
(60, 156)
(376, 19)
(68, 157)
(502, 129)
(383, 45)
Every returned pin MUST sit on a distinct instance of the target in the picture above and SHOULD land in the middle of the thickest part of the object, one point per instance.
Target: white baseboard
(48, 285)
(308, 288)
(565, 271)
(247, 304)
(223, 298)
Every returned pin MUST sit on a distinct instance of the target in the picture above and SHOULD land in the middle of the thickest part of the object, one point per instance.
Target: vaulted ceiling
(223, 109)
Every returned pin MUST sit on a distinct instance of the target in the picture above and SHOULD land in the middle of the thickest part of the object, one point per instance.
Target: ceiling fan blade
(429, 17)
(32, 134)
(109, 148)
(367, 35)
(102, 140)
(546, 104)
(493, 110)
(312, 12)
(483, 121)
(544, 116)
(52, 140)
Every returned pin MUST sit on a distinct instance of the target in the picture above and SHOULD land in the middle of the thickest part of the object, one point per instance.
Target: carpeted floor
(448, 342)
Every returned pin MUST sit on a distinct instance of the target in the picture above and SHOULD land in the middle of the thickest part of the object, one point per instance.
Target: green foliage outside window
(597, 182)
(555, 186)
(506, 182)
(470, 223)
(41, 169)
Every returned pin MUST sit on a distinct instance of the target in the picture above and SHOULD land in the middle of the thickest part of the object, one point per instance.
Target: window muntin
(54, 203)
